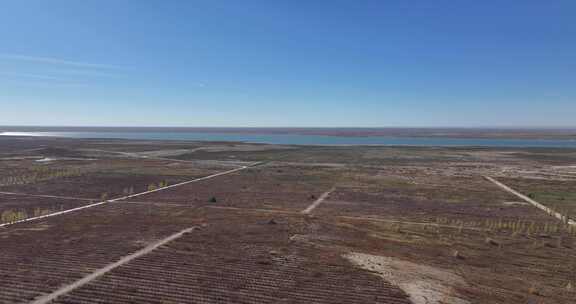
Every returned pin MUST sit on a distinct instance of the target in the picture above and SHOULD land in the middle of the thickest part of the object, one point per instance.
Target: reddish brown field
(43, 255)
(284, 188)
(468, 199)
(239, 258)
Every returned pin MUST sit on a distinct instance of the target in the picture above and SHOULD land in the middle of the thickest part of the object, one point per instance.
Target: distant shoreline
(468, 133)
(308, 138)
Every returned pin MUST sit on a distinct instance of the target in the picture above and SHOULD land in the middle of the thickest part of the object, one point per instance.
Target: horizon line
(296, 127)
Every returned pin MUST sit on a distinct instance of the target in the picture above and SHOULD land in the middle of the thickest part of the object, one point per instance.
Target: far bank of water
(300, 139)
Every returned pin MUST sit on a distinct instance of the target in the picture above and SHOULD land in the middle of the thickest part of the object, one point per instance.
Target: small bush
(491, 241)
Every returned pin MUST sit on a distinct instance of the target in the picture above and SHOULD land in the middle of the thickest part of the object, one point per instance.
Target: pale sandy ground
(424, 284)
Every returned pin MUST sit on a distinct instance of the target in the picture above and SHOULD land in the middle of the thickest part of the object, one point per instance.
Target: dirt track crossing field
(87, 279)
(123, 197)
(534, 203)
(317, 202)
(42, 256)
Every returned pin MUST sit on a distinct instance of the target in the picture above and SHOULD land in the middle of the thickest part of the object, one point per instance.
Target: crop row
(60, 251)
(227, 274)
(41, 174)
(23, 278)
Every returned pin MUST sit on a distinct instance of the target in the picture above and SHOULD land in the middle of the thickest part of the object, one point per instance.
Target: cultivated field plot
(37, 258)
(333, 155)
(388, 155)
(239, 258)
(472, 200)
(102, 179)
(272, 187)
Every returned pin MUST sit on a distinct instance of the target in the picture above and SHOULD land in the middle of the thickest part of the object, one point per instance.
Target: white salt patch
(424, 284)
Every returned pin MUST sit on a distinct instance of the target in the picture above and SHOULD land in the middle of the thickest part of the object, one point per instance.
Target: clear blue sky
(288, 63)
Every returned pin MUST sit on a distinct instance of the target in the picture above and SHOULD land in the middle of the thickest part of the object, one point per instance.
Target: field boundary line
(135, 155)
(48, 196)
(317, 202)
(253, 209)
(158, 204)
(531, 201)
(128, 196)
(102, 271)
(360, 218)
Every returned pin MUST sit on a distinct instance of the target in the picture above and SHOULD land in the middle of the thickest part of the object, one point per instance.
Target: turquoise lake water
(305, 139)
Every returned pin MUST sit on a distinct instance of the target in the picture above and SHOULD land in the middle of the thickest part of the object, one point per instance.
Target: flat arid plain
(133, 221)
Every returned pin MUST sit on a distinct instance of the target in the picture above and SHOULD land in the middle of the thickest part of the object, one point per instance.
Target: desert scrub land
(132, 221)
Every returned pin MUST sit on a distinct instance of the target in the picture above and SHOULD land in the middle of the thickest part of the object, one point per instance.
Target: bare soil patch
(424, 284)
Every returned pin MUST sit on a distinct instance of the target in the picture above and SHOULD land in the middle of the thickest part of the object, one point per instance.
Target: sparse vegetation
(15, 215)
(10, 216)
(37, 174)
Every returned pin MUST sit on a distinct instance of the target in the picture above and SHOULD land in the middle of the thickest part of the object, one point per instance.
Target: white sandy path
(317, 202)
(531, 201)
(137, 155)
(128, 196)
(96, 274)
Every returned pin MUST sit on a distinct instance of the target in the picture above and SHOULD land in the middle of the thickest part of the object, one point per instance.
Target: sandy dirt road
(96, 274)
(531, 201)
